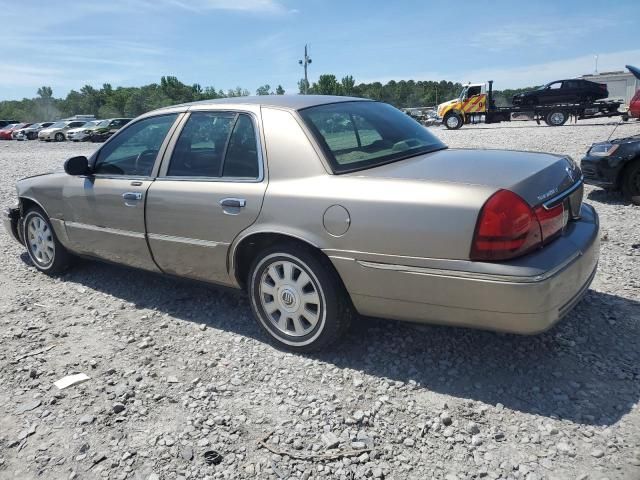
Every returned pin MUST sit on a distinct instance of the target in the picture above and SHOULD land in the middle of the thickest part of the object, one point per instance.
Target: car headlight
(603, 149)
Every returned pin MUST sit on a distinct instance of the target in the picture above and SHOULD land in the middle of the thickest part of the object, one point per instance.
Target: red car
(634, 104)
(5, 133)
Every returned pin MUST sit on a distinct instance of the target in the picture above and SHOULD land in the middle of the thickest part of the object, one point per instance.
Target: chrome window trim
(166, 160)
(119, 177)
(113, 231)
(209, 179)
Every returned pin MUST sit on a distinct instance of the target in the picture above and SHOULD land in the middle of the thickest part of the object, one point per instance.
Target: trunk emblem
(548, 194)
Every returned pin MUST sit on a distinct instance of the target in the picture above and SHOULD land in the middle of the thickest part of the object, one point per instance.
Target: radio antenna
(614, 129)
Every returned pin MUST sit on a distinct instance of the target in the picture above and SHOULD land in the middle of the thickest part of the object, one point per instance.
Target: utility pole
(596, 58)
(304, 63)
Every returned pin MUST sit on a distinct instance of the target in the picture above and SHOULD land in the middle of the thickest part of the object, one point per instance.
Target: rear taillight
(551, 221)
(508, 227)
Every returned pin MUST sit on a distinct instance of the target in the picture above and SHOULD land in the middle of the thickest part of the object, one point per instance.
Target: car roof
(292, 102)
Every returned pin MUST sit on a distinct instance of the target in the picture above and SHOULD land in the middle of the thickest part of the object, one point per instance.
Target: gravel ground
(178, 369)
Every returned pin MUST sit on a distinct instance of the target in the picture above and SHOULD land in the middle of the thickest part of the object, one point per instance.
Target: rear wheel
(297, 298)
(59, 137)
(46, 252)
(453, 121)
(556, 118)
(631, 183)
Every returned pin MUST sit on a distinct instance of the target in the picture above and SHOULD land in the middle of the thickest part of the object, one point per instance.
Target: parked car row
(72, 130)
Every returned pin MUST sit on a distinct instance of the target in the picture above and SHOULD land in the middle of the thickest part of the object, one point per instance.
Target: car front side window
(133, 152)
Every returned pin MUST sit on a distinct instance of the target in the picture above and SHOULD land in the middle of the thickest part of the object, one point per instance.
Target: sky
(229, 43)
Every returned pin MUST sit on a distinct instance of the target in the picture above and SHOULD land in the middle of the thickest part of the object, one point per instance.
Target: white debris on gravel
(432, 402)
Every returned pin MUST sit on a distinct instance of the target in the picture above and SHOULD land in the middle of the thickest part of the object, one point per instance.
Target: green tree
(280, 90)
(327, 85)
(348, 85)
(303, 86)
(264, 90)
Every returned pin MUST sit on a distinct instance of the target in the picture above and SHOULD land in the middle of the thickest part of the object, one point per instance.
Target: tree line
(107, 102)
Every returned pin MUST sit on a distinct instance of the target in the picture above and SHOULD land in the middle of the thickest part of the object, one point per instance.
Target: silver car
(320, 208)
(57, 132)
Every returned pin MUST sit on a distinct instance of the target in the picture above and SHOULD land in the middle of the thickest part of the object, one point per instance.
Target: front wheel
(453, 121)
(297, 298)
(46, 252)
(631, 183)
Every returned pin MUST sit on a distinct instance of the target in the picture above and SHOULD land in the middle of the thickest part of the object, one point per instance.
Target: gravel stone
(330, 440)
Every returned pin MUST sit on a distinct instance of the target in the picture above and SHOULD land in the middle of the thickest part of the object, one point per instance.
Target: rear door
(210, 188)
(575, 91)
(104, 212)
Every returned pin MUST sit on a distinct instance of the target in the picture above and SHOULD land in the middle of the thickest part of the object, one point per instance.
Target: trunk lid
(536, 177)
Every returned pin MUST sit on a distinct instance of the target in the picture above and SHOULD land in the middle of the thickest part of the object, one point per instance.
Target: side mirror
(77, 166)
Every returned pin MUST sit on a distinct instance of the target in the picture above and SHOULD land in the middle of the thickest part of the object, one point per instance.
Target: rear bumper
(529, 295)
(11, 222)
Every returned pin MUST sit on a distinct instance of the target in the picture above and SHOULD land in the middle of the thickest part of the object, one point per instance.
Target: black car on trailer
(573, 90)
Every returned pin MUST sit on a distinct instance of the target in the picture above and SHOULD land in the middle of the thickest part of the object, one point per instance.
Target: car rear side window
(133, 151)
(362, 134)
(216, 144)
(241, 160)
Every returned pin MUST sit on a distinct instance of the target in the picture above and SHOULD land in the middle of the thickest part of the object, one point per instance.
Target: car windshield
(58, 125)
(103, 123)
(361, 134)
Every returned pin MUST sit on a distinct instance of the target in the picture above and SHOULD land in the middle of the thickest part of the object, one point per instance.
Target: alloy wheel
(40, 240)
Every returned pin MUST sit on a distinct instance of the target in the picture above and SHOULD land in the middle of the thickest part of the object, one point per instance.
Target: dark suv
(106, 128)
(563, 91)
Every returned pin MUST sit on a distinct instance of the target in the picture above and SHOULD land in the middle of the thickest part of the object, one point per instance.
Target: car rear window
(362, 134)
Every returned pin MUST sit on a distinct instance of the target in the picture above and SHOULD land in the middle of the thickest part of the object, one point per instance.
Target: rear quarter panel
(412, 218)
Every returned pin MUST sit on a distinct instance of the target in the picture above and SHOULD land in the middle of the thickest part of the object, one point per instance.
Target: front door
(104, 212)
(209, 191)
(553, 93)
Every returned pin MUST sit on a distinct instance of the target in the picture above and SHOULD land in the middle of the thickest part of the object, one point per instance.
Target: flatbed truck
(476, 104)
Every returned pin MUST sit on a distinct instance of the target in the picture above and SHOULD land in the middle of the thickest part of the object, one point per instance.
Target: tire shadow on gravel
(586, 369)
(608, 197)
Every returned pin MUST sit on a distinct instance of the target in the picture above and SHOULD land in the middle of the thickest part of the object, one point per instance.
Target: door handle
(132, 196)
(233, 202)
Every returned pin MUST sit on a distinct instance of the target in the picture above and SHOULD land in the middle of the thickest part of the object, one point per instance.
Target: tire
(556, 118)
(631, 183)
(279, 278)
(59, 137)
(45, 250)
(453, 121)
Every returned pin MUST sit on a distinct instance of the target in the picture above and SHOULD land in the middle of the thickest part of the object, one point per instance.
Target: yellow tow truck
(476, 104)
